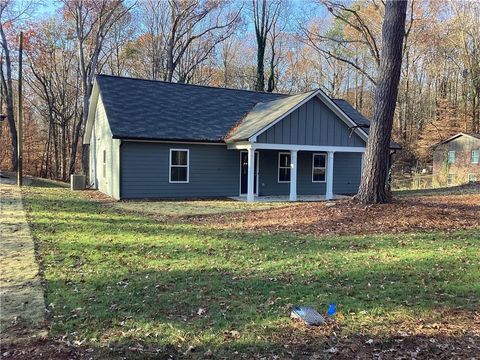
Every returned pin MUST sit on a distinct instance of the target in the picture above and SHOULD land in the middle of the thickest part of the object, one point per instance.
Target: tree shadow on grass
(127, 280)
(161, 308)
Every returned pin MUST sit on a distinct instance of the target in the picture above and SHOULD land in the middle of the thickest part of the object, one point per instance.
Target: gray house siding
(311, 124)
(346, 174)
(215, 172)
(144, 168)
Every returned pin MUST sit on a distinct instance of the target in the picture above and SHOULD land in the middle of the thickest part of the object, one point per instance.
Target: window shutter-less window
(284, 167)
(179, 166)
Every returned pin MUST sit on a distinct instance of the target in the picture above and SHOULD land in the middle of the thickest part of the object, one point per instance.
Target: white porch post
(250, 175)
(293, 175)
(329, 192)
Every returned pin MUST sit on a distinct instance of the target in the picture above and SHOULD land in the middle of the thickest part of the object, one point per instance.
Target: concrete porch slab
(285, 198)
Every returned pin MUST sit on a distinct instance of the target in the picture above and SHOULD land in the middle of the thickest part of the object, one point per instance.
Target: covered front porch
(285, 172)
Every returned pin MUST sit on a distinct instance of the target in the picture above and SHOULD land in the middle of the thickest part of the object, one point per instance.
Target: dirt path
(22, 304)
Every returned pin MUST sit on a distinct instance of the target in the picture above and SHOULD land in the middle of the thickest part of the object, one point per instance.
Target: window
(472, 178)
(179, 166)
(284, 167)
(104, 164)
(475, 156)
(318, 167)
(451, 157)
(451, 179)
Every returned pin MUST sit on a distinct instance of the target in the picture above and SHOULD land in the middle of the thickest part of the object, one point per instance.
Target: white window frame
(183, 166)
(478, 154)
(104, 163)
(284, 167)
(448, 156)
(319, 167)
(451, 179)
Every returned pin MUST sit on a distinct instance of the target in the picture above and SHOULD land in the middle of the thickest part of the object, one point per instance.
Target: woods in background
(266, 45)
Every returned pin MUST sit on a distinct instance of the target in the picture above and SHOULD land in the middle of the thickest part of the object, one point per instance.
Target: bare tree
(92, 22)
(374, 185)
(275, 41)
(194, 20)
(265, 15)
(7, 81)
(53, 78)
(468, 16)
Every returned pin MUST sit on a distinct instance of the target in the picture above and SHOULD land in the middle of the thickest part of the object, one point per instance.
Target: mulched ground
(404, 214)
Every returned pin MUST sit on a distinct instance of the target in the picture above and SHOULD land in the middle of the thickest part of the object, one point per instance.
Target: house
(153, 139)
(456, 160)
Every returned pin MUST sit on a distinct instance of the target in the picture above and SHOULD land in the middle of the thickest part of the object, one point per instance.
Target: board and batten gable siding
(101, 139)
(214, 171)
(346, 174)
(313, 123)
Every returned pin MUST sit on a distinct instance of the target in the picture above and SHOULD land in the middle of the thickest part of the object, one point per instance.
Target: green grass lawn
(128, 281)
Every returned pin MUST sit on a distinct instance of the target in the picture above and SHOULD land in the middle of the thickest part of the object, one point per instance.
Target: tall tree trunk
(271, 77)
(76, 137)
(260, 78)
(374, 185)
(64, 150)
(7, 84)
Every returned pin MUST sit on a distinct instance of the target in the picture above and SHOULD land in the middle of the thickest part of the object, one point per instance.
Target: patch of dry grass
(194, 208)
(22, 303)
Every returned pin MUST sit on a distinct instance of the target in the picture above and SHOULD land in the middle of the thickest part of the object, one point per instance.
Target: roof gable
(264, 114)
(313, 124)
(475, 136)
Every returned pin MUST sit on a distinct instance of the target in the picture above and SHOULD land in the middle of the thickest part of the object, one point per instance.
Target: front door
(244, 173)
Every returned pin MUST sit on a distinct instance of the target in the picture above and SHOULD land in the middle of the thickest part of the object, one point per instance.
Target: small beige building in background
(456, 160)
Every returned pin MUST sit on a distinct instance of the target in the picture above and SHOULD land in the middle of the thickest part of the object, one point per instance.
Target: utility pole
(20, 115)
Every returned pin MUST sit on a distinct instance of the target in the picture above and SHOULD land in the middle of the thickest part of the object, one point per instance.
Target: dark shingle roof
(353, 114)
(145, 109)
(158, 110)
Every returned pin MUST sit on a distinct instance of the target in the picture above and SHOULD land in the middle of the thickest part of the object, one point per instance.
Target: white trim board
(262, 146)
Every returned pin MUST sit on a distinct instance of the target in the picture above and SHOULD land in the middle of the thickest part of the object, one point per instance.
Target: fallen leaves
(428, 213)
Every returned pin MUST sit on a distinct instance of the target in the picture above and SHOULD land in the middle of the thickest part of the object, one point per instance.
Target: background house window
(475, 156)
(451, 157)
(472, 178)
(104, 164)
(283, 167)
(179, 165)
(450, 179)
(318, 167)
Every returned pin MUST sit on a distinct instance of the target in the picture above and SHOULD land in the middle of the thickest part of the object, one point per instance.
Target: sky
(299, 8)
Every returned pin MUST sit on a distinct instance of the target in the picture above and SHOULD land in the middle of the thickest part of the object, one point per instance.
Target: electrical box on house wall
(77, 182)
